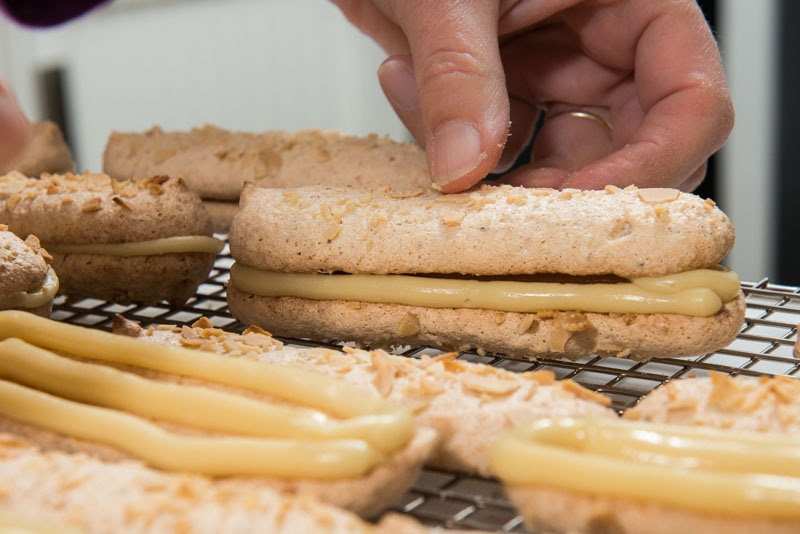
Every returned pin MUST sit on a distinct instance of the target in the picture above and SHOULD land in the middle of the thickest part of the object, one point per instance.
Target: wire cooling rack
(452, 500)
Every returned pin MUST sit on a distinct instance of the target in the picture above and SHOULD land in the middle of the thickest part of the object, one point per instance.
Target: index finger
(681, 87)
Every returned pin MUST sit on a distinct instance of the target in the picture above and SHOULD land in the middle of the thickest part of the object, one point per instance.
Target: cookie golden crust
(68, 211)
(46, 152)
(551, 335)
(217, 162)
(95, 496)
(92, 208)
(173, 278)
(489, 231)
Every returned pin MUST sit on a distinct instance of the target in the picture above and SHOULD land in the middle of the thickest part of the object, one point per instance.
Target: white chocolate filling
(704, 469)
(697, 293)
(338, 430)
(34, 299)
(167, 245)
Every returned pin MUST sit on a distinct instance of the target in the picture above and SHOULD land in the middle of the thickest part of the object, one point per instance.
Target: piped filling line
(697, 293)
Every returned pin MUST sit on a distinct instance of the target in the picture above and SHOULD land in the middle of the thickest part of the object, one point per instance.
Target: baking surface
(764, 347)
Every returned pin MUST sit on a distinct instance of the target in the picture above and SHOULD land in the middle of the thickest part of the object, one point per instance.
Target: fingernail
(456, 149)
(397, 80)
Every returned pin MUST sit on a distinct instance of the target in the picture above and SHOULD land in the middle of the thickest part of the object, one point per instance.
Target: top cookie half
(216, 163)
(488, 231)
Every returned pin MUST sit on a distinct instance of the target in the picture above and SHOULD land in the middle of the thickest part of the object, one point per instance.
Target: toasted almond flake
(543, 377)
(163, 154)
(682, 404)
(786, 389)
(726, 394)
(384, 372)
(430, 386)
(489, 384)
(583, 393)
(458, 366)
(188, 332)
(409, 325)
(205, 322)
(574, 321)
(291, 197)
(376, 219)
(453, 217)
(195, 343)
(445, 356)
(655, 195)
(13, 201)
(332, 232)
(91, 205)
(559, 336)
(452, 199)
(121, 203)
(404, 193)
(527, 324)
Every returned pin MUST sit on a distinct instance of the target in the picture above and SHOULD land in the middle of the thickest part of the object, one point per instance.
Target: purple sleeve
(41, 13)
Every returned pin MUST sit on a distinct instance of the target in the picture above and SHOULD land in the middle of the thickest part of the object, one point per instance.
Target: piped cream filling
(336, 431)
(697, 293)
(167, 245)
(743, 474)
(33, 299)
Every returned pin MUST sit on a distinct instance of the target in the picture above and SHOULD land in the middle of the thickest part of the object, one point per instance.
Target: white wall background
(240, 64)
(291, 64)
(749, 34)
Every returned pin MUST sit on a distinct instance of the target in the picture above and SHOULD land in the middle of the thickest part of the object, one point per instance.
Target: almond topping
(583, 393)
(655, 195)
(527, 323)
(92, 204)
(488, 384)
(725, 394)
(384, 372)
(404, 193)
(121, 203)
(409, 325)
(332, 232)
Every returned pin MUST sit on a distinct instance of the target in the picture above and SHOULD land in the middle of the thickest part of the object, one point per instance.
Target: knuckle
(446, 64)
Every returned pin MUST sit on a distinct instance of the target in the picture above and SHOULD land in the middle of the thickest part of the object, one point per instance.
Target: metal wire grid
(452, 500)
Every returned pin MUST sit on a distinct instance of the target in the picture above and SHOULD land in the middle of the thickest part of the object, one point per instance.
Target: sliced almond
(655, 195)
(409, 325)
(489, 384)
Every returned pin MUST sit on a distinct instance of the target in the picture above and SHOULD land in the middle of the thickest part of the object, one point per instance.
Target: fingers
(572, 137)
(463, 112)
(524, 117)
(670, 115)
(396, 76)
(14, 128)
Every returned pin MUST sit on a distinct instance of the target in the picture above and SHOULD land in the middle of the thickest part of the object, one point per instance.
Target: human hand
(14, 128)
(458, 72)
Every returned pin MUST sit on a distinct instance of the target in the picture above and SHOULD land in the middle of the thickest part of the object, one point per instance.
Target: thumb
(463, 111)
